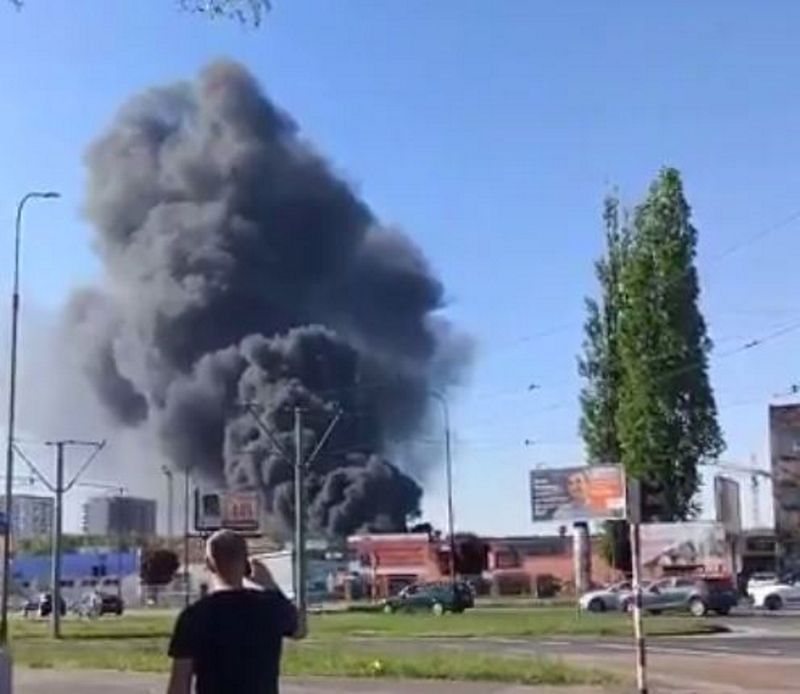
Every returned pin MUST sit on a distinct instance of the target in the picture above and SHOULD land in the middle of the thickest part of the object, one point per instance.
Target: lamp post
(440, 398)
(12, 402)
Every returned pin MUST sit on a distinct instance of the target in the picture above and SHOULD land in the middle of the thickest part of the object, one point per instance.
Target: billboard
(222, 509)
(574, 494)
(727, 503)
(784, 438)
(694, 546)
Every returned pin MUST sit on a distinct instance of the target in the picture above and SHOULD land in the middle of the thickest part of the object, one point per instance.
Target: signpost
(240, 511)
(634, 513)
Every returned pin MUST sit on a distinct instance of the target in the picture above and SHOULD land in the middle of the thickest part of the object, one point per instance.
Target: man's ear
(210, 565)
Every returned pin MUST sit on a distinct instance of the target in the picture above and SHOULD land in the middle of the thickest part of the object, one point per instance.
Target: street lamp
(440, 398)
(12, 402)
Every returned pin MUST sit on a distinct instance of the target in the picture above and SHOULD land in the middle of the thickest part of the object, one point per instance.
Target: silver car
(610, 598)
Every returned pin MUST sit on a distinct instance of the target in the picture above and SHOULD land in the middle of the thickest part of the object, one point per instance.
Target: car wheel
(596, 605)
(773, 603)
(627, 606)
(438, 609)
(697, 607)
(388, 609)
(655, 613)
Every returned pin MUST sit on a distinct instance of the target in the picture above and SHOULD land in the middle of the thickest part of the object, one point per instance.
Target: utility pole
(300, 581)
(59, 489)
(186, 581)
(300, 464)
(440, 398)
(170, 501)
(57, 525)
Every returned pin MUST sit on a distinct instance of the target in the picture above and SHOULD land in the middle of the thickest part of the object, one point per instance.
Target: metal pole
(300, 583)
(186, 586)
(12, 405)
(170, 502)
(436, 395)
(59, 513)
(450, 519)
(638, 627)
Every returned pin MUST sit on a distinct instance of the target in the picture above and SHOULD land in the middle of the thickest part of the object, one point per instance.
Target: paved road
(47, 682)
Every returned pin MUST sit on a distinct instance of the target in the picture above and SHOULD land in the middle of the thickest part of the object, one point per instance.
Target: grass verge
(542, 622)
(138, 642)
(315, 659)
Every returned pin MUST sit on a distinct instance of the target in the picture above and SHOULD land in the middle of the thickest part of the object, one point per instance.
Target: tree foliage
(667, 416)
(602, 372)
(471, 554)
(600, 363)
(244, 11)
(647, 401)
(158, 567)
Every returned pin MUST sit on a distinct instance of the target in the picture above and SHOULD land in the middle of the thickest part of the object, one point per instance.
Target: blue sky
(490, 132)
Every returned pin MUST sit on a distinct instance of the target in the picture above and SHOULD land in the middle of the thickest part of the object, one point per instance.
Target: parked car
(436, 597)
(42, 605)
(96, 604)
(609, 598)
(698, 595)
(777, 596)
(757, 580)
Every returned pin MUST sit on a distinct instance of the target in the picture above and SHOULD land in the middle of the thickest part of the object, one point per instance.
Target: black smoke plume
(239, 268)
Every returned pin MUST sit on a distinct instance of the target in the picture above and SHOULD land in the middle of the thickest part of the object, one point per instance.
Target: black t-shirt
(234, 639)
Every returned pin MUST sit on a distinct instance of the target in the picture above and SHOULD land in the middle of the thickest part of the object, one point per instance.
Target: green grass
(543, 621)
(314, 659)
(138, 642)
(522, 623)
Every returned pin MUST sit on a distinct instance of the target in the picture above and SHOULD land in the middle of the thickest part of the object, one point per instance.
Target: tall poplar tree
(666, 415)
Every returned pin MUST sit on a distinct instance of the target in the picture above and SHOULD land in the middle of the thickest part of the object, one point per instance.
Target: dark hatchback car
(439, 597)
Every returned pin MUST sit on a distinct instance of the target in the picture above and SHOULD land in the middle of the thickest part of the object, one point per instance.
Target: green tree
(602, 372)
(600, 363)
(666, 415)
(244, 11)
(159, 567)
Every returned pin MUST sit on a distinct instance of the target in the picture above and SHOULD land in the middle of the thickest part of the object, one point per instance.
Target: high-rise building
(31, 515)
(784, 427)
(119, 515)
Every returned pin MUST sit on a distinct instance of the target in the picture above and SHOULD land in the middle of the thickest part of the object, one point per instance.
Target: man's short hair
(227, 550)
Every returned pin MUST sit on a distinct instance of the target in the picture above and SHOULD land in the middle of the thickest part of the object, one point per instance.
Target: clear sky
(490, 132)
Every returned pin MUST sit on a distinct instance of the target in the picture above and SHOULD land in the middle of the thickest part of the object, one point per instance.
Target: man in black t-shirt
(230, 641)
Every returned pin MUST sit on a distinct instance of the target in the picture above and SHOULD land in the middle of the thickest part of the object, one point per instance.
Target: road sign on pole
(634, 517)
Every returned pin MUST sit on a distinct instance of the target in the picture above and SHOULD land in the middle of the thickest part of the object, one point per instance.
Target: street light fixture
(12, 402)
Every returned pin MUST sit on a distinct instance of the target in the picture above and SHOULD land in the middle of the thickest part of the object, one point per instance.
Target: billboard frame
(208, 520)
(555, 493)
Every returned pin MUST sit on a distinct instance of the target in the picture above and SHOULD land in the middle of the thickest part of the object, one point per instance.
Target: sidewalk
(88, 682)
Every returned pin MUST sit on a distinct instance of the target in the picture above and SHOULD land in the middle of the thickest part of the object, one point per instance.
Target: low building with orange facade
(512, 565)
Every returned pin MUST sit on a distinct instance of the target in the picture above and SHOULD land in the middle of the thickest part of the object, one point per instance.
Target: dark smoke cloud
(240, 268)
